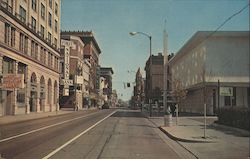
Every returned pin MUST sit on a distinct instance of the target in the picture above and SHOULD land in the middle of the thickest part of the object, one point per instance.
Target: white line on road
(76, 137)
(46, 127)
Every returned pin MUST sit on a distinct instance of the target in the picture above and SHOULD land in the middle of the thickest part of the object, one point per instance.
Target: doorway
(32, 101)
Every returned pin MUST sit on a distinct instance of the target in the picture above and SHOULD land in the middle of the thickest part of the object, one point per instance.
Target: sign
(66, 82)
(65, 92)
(66, 62)
(11, 81)
(79, 79)
(226, 91)
(67, 43)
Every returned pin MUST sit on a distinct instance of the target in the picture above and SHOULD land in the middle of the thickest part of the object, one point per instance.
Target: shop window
(20, 97)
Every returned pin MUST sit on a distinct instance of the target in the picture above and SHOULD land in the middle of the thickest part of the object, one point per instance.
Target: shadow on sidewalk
(229, 131)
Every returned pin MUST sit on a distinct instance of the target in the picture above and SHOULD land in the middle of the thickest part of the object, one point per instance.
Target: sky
(112, 20)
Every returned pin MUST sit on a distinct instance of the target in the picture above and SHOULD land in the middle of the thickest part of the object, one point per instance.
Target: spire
(165, 53)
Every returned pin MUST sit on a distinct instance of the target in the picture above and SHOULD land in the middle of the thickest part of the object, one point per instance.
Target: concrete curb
(183, 139)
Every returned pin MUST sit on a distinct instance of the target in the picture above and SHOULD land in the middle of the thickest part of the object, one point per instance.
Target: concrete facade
(24, 50)
(220, 60)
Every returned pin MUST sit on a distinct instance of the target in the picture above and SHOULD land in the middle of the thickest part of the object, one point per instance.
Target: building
(91, 53)
(218, 64)
(139, 94)
(29, 56)
(154, 79)
(75, 73)
(103, 96)
(107, 72)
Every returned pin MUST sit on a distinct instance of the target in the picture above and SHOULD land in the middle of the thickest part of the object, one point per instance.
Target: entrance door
(32, 101)
(41, 101)
(8, 105)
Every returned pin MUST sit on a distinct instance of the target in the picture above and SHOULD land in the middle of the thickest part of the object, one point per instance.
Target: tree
(179, 93)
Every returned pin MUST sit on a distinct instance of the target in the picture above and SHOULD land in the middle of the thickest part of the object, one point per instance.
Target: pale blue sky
(112, 20)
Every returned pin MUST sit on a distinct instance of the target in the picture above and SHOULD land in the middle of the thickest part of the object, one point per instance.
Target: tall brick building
(91, 52)
(154, 79)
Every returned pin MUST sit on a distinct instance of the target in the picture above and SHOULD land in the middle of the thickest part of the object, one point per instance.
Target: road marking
(76, 137)
(46, 127)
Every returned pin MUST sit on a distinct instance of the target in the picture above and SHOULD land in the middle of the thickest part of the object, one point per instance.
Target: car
(105, 106)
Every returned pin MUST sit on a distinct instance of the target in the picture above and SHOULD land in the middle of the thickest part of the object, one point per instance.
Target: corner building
(29, 45)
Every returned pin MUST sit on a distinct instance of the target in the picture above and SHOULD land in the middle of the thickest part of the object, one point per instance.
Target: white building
(220, 59)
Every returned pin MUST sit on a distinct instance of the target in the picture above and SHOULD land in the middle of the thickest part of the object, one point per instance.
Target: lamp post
(150, 65)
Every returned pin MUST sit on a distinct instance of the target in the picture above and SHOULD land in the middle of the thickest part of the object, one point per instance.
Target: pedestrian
(173, 107)
(75, 105)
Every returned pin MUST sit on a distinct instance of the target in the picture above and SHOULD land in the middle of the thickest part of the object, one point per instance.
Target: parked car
(105, 106)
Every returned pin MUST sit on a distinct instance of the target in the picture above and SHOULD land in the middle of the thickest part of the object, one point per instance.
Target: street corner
(177, 134)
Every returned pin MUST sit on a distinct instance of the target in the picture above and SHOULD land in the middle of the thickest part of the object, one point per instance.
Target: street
(125, 134)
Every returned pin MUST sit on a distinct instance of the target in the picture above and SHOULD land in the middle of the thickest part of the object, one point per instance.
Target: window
(42, 54)
(50, 4)
(8, 65)
(22, 70)
(33, 23)
(26, 45)
(7, 34)
(56, 26)
(42, 11)
(22, 13)
(32, 48)
(13, 38)
(56, 8)
(21, 42)
(55, 42)
(50, 20)
(20, 97)
(49, 59)
(36, 51)
(33, 5)
(49, 37)
(42, 31)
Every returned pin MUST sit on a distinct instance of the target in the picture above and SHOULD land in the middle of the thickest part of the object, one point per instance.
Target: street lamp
(150, 64)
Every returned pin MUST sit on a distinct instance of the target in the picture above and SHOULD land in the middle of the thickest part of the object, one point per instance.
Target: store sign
(226, 91)
(79, 79)
(66, 62)
(11, 81)
(65, 92)
(67, 43)
(66, 82)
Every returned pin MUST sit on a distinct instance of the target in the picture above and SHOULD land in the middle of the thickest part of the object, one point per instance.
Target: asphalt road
(123, 135)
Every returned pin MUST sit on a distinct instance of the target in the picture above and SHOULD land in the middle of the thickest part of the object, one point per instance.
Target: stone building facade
(29, 46)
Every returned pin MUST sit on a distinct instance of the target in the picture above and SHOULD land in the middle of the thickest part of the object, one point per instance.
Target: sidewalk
(34, 115)
(220, 142)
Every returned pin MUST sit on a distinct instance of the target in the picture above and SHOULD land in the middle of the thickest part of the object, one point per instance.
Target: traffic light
(128, 84)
